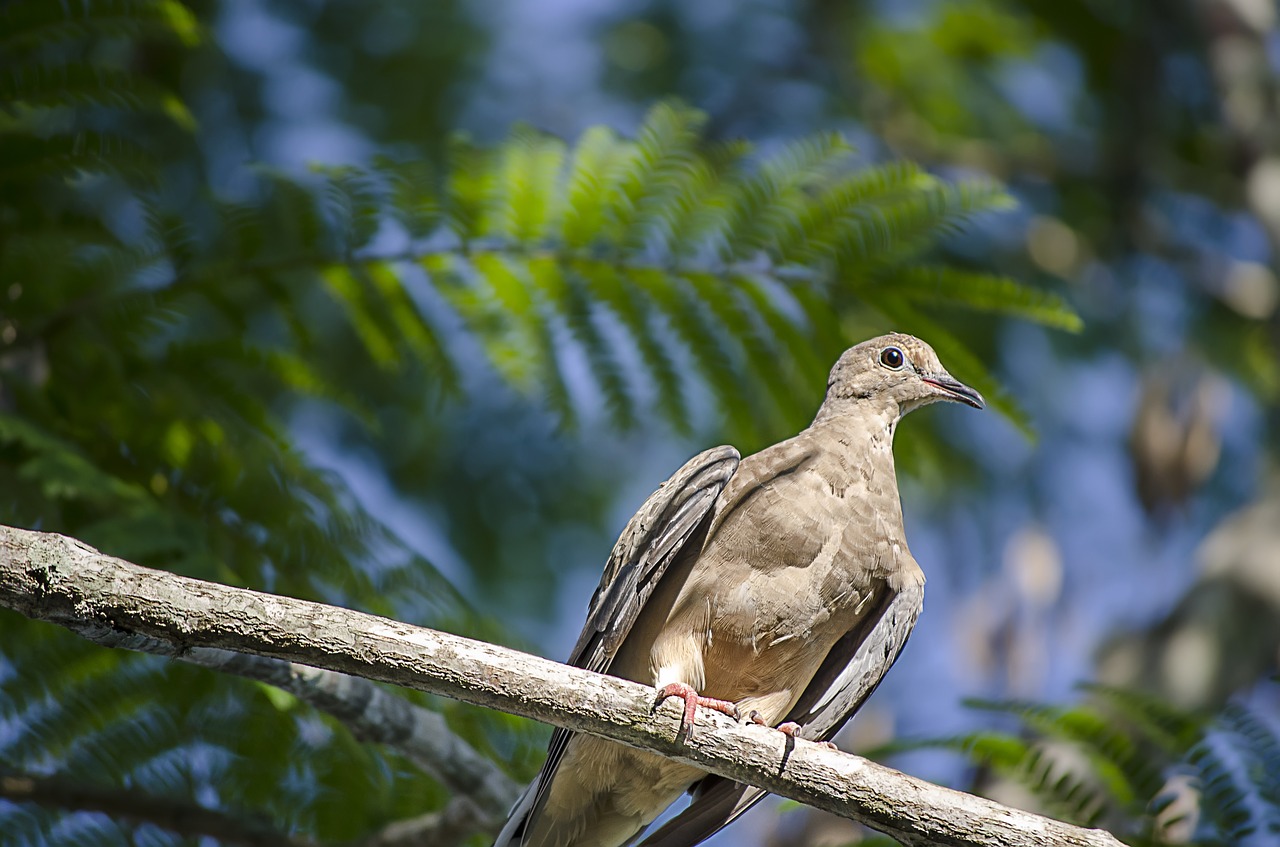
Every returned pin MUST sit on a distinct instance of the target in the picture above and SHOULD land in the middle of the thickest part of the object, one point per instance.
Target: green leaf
(941, 286)
(527, 188)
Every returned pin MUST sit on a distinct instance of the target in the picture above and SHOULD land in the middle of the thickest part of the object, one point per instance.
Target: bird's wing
(648, 545)
(654, 537)
(846, 678)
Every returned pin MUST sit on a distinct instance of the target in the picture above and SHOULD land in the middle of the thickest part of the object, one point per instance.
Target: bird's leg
(692, 700)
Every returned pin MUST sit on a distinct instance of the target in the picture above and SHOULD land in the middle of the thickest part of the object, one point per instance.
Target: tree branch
(57, 579)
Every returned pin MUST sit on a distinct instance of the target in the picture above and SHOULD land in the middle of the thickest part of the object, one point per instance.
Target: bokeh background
(189, 380)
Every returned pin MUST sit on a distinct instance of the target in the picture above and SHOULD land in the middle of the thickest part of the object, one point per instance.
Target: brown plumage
(780, 583)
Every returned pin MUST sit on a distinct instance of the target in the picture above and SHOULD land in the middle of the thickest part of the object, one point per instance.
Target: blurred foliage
(186, 341)
(1149, 772)
(165, 336)
(1110, 123)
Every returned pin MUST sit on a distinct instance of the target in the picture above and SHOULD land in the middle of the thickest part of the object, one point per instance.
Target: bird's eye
(891, 357)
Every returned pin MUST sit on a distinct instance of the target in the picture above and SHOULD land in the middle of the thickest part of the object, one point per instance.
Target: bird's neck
(860, 423)
(862, 414)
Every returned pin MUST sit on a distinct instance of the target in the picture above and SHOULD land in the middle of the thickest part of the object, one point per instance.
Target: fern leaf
(1028, 763)
(410, 325)
(596, 160)
(412, 199)
(767, 201)
(1170, 728)
(831, 224)
(347, 291)
(527, 184)
(353, 202)
(943, 286)
(759, 348)
(24, 159)
(84, 84)
(31, 24)
(691, 324)
(605, 367)
(900, 231)
(632, 312)
(512, 318)
(660, 159)
(469, 190)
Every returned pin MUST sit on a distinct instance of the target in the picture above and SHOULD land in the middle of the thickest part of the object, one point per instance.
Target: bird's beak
(953, 389)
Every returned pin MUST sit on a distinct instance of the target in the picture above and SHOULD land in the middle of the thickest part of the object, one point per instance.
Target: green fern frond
(469, 191)
(766, 202)
(632, 311)
(941, 286)
(903, 228)
(60, 469)
(1029, 763)
(1133, 745)
(412, 329)
(1171, 729)
(579, 316)
(355, 202)
(665, 210)
(369, 322)
(87, 85)
(512, 345)
(761, 354)
(527, 186)
(27, 25)
(1123, 768)
(689, 320)
(831, 224)
(1237, 763)
(662, 158)
(412, 200)
(596, 160)
(25, 159)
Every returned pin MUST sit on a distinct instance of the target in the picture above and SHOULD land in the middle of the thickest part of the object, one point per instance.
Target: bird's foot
(692, 700)
(787, 728)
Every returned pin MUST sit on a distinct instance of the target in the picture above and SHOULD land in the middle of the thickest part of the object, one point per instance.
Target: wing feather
(654, 538)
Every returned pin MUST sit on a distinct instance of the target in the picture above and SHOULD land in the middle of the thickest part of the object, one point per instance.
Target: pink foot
(789, 728)
(692, 700)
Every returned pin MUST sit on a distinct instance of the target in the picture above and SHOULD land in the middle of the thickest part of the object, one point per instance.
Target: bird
(776, 588)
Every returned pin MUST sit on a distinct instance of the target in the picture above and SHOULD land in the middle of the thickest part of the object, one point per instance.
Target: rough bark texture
(57, 579)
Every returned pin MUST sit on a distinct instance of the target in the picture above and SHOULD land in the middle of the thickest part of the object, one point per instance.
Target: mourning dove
(778, 587)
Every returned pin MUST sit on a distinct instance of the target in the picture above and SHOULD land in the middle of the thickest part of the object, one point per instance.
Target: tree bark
(57, 579)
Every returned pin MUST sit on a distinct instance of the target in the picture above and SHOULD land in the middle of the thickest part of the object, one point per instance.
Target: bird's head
(894, 372)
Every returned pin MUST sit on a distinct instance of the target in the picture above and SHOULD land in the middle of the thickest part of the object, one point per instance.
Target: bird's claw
(692, 700)
(787, 728)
